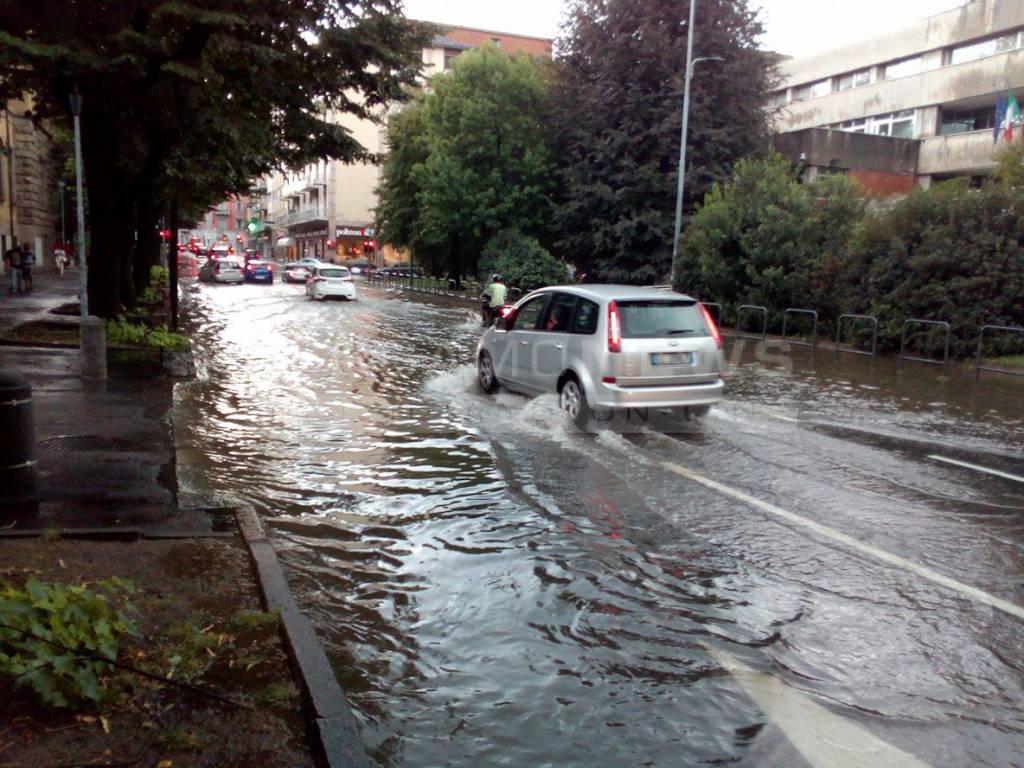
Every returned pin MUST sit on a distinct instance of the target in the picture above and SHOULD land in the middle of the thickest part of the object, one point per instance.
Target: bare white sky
(794, 27)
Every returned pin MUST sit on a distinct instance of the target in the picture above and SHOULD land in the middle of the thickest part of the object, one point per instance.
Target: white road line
(823, 738)
(823, 530)
(976, 468)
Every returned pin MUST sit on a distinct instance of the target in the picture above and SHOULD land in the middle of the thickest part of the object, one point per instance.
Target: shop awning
(284, 242)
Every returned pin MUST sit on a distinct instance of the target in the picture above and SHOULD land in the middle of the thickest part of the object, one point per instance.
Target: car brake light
(607, 379)
(614, 328)
(711, 325)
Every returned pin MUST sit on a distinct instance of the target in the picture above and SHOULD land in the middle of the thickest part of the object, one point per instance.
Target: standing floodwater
(496, 589)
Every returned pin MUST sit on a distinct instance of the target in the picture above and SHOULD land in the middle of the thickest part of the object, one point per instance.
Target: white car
(221, 270)
(327, 281)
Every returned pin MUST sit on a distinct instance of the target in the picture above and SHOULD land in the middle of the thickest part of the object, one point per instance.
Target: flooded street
(795, 581)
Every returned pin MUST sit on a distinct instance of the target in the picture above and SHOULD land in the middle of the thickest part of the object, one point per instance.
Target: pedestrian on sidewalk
(28, 260)
(12, 260)
(60, 259)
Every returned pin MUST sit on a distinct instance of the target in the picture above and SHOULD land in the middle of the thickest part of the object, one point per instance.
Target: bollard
(19, 483)
(92, 343)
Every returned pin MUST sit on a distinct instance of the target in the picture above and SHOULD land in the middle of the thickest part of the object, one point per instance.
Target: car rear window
(585, 319)
(656, 319)
(334, 273)
(225, 264)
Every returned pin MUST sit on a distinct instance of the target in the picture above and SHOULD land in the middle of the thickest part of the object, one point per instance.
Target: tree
(521, 261)
(618, 99)
(191, 99)
(469, 160)
(764, 238)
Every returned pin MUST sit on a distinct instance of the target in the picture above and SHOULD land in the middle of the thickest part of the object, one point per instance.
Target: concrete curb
(333, 728)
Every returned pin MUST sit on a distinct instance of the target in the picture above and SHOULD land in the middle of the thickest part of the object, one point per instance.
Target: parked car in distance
(257, 271)
(223, 270)
(188, 264)
(606, 348)
(400, 271)
(329, 281)
(222, 250)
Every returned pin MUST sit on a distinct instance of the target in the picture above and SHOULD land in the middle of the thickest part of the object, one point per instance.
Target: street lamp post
(690, 62)
(83, 277)
(63, 229)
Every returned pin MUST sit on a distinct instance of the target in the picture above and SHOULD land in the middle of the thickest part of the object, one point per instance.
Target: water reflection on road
(495, 589)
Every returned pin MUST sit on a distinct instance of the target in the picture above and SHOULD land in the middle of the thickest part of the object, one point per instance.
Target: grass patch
(183, 739)
(1008, 361)
(252, 621)
(273, 694)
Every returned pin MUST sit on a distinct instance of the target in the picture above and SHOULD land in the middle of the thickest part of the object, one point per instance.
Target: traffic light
(165, 234)
(368, 246)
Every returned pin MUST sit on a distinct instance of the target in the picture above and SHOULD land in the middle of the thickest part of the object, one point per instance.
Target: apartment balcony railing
(958, 153)
(302, 215)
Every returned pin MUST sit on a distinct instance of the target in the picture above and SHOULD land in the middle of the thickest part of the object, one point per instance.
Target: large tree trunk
(172, 265)
(147, 242)
(110, 219)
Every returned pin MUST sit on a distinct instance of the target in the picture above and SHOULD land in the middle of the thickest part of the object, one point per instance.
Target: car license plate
(672, 358)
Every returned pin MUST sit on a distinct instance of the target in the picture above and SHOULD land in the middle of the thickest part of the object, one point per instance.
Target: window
(902, 68)
(854, 126)
(811, 91)
(528, 314)
(559, 317)
(656, 319)
(779, 98)
(853, 80)
(585, 320)
(449, 54)
(985, 48)
(964, 120)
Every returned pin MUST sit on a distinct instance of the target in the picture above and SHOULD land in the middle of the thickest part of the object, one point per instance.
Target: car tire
(486, 377)
(572, 402)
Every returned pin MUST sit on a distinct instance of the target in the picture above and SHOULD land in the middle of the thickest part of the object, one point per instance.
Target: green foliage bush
(950, 252)
(123, 331)
(522, 261)
(58, 617)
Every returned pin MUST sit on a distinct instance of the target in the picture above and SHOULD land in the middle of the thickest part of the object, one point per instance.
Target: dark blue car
(257, 271)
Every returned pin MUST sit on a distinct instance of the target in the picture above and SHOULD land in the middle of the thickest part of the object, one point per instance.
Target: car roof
(607, 292)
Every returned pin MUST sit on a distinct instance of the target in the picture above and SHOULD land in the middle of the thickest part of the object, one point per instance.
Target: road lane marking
(823, 530)
(823, 738)
(976, 468)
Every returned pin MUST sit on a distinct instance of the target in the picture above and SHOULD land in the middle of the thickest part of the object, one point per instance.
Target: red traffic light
(165, 234)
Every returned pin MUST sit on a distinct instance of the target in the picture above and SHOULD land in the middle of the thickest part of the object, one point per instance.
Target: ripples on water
(496, 589)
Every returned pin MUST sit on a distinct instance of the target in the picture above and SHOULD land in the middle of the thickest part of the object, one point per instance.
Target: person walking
(60, 259)
(12, 258)
(28, 260)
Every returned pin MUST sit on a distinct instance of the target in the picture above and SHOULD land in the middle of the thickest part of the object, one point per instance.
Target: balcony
(302, 216)
(958, 153)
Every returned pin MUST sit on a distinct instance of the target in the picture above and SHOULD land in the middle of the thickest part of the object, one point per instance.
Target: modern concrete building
(29, 197)
(922, 98)
(327, 208)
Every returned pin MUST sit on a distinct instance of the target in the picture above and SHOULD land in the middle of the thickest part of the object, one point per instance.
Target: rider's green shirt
(497, 293)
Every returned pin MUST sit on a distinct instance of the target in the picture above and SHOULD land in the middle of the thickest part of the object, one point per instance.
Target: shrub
(947, 253)
(522, 261)
(42, 620)
(122, 331)
(765, 238)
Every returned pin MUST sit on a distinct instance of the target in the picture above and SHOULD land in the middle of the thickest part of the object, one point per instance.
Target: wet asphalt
(794, 581)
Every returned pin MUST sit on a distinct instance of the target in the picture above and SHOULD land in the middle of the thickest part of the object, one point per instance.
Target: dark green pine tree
(619, 105)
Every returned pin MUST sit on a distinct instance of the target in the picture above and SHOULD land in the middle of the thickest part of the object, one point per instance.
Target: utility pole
(83, 278)
(690, 62)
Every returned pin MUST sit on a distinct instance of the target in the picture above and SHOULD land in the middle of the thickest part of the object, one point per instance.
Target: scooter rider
(493, 299)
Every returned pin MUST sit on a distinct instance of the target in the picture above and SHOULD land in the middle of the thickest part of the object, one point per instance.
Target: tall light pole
(690, 62)
(63, 229)
(83, 277)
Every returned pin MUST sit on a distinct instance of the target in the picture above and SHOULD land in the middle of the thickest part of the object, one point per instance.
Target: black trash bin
(19, 483)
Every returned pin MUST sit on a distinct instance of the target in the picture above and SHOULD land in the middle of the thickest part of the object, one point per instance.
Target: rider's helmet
(496, 278)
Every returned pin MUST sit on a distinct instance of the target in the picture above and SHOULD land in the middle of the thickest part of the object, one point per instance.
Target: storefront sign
(353, 232)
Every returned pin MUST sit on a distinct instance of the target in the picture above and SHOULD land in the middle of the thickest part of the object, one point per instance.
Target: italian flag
(1013, 116)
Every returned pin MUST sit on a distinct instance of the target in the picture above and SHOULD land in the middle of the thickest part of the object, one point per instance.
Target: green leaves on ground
(122, 331)
(46, 626)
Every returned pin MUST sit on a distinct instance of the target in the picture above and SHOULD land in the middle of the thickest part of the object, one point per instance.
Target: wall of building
(532, 46)
(970, 21)
(29, 206)
(972, 152)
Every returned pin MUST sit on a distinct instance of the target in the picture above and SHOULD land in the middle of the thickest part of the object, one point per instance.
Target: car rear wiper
(679, 330)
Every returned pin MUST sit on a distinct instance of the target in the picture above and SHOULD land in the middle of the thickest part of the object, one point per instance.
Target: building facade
(935, 84)
(326, 210)
(29, 194)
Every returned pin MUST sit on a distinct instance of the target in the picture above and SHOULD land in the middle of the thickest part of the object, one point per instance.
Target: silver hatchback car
(606, 348)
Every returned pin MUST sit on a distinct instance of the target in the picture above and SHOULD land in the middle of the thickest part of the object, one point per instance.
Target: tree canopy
(619, 99)
(192, 99)
(468, 159)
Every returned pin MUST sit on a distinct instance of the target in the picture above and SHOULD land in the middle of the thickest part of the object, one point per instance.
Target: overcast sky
(794, 27)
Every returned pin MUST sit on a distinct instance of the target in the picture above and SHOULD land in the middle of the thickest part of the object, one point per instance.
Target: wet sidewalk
(105, 450)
